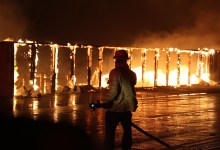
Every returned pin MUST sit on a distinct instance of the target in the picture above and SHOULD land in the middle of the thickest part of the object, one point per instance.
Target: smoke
(200, 29)
(184, 24)
(12, 21)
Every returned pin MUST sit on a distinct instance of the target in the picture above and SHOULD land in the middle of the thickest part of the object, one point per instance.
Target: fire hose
(94, 106)
(151, 136)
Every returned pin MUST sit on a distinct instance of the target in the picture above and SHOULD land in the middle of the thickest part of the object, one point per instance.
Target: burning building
(30, 68)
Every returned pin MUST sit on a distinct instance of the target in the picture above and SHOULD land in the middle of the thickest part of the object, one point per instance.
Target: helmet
(121, 54)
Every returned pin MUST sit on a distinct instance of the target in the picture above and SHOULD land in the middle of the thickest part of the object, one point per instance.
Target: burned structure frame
(9, 49)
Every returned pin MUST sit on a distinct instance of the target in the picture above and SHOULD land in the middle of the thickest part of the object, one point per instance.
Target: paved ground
(183, 121)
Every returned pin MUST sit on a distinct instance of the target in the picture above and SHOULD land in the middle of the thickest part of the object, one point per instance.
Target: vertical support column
(156, 58)
(130, 56)
(54, 68)
(211, 53)
(33, 64)
(16, 75)
(143, 59)
(100, 66)
(214, 65)
(167, 66)
(211, 65)
(178, 68)
(189, 67)
(7, 70)
(89, 64)
(199, 64)
(217, 66)
(207, 63)
(73, 64)
(41, 83)
(45, 83)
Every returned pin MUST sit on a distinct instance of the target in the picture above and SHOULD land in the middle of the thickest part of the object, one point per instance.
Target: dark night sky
(139, 23)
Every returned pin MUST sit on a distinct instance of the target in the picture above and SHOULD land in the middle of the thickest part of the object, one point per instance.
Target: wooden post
(73, 64)
(54, 69)
(89, 64)
(156, 57)
(33, 50)
(178, 68)
(167, 66)
(189, 67)
(199, 64)
(143, 59)
(100, 60)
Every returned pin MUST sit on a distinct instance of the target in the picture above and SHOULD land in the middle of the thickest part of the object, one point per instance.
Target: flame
(105, 80)
(149, 77)
(15, 68)
(45, 83)
(202, 71)
(36, 87)
(32, 83)
(145, 78)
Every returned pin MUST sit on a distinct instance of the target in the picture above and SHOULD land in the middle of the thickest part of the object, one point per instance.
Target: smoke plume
(12, 21)
(199, 29)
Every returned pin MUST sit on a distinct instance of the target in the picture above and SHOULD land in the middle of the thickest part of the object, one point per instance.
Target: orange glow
(105, 80)
(161, 81)
(176, 77)
(15, 69)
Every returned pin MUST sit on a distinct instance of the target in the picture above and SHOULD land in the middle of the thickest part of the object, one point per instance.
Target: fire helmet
(121, 54)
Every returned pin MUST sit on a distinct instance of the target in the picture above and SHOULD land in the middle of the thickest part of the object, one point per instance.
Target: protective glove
(95, 105)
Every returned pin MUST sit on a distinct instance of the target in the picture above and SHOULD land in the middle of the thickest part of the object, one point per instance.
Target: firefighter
(122, 101)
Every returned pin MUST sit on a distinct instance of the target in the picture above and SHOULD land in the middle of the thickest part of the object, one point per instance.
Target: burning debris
(28, 91)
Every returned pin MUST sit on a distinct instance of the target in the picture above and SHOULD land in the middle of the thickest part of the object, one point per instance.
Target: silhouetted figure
(122, 102)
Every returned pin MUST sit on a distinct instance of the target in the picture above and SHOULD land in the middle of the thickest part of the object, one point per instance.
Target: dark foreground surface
(64, 121)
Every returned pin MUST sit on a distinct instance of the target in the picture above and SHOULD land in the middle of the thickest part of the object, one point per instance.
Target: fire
(15, 69)
(149, 78)
(36, 87)
(105, 80)
(32, 86)
(156, 77)
(33, 82)
(176, 77)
